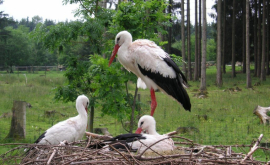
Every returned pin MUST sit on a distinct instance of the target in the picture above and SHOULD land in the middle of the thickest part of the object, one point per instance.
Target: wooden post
(91, 119)
(18, 121)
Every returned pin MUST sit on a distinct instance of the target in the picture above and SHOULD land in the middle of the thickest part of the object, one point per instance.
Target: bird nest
(186, 152)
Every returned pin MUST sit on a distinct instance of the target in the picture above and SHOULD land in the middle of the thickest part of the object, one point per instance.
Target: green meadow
(224, 117)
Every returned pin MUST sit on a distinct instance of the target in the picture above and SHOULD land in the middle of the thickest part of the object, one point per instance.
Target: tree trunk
(219, 73)
(267, 38)
(188, 42)
(248, 77)
(195, 78)
(200, 39)
(133, 110)
(170, 28)
(203, 70)
(224, 38)
(183, 36)
(263, 75)
(255, 38)
(259, 46)
(233, 39)
(244, 38)
(18, 121)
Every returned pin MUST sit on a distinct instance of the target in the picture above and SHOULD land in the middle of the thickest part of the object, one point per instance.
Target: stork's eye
(118, 39)
(142, 123)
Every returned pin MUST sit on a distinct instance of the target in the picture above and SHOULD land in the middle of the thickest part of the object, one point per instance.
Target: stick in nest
(97, 136)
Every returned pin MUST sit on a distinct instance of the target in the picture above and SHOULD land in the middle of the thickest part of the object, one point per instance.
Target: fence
(32, 69)
(201, 129)
(204, 129)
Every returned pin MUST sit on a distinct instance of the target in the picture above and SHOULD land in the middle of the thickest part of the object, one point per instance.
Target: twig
(253, 149)
(119, 153)
(54, 151)
(95, 162)
(97, 136)
(171, 133)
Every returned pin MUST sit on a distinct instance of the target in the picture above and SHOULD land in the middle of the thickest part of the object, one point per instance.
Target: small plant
(268, 113)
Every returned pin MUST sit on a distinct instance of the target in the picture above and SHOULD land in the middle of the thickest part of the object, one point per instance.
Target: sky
(47, 9)
(56, 11)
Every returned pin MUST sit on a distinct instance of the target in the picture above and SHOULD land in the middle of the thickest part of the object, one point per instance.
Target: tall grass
(224, 117)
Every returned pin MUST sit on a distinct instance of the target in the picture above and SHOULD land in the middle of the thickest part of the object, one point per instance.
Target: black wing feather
(119, 142)
(129, 137)
(40, 137)
(172, 86)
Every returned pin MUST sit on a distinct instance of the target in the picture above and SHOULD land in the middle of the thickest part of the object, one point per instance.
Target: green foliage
(56, 36)
(177, 59)
(108, 84)
(141, 18)
(103, 84)
(211, 48)
(15, 47)
(78, 81)
(268, 113)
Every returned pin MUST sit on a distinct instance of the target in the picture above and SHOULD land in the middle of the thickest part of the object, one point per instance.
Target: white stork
(139, 142)
(153, 67)
(71, 129)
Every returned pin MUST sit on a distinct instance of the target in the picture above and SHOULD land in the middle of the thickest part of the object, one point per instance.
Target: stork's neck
(127, 43)
(81, 109)
(152, 130)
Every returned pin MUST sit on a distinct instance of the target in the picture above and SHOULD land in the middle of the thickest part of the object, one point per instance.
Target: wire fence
(32, 69)
(202, 129)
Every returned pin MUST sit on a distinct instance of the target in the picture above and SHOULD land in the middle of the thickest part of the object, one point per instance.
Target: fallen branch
(253, 149)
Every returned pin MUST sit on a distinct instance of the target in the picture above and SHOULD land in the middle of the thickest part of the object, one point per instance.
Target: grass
(224, 117)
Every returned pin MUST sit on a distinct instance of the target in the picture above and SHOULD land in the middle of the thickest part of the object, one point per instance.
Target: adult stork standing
(153, 67)
(137, 142)
(71, 129)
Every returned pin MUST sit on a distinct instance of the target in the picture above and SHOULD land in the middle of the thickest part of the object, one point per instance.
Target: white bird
(139, 142)
(153, 67)
(71, 129)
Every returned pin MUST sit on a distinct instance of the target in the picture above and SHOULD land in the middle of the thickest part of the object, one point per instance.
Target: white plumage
(71, 129)
(148, 124)
(153, 66)
(139, 142)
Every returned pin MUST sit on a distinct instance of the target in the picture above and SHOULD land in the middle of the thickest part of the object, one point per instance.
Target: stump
(261, 112)
(18, 121)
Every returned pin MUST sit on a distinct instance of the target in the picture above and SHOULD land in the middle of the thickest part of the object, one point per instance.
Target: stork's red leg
(153, 101)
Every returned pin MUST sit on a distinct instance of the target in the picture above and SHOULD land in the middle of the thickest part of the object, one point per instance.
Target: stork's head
(123, 37)
(82, 99)
(148, 124)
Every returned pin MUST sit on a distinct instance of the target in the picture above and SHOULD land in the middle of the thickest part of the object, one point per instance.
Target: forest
(20, 45)
(38, 42)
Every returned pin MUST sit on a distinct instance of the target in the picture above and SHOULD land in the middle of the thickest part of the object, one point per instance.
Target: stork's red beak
(115, 49)
(86, 110)
(139, 130)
